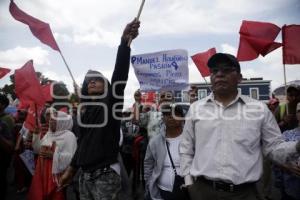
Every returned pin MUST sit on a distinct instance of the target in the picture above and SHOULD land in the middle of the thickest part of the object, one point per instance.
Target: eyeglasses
(224, 70)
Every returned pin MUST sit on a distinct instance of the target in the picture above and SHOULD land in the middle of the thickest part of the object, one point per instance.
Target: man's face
(95, 87)
(166, 97)
(224, 79)
(193, 96)
(137, 96)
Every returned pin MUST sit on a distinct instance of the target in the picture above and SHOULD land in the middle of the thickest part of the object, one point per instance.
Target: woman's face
(52, 122)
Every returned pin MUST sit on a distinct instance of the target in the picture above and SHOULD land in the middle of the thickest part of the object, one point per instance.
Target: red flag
(64, 109)
(47, 92)
(148, 97)
(3, 71)
(23, 105)
(27, 86)
(200, 60)
(257, 38)
(291, 44)
(33, 115)
(39, 29)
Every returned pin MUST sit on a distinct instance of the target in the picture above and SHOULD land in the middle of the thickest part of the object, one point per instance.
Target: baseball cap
(223, 58)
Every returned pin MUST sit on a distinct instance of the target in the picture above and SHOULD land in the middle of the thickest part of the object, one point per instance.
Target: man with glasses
(225, 137)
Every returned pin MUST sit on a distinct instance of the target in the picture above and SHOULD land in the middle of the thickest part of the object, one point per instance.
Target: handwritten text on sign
(165, 70)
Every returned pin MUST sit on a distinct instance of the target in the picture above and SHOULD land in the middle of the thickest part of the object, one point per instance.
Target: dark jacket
(99, 146)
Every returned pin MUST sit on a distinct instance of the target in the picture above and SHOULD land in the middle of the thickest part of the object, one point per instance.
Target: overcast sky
(88, 33)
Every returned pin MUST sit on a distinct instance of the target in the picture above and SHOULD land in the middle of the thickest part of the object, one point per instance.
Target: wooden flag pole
(206, 83)
(137, 18)
(285, 88)
(68, 68)
(284, 74)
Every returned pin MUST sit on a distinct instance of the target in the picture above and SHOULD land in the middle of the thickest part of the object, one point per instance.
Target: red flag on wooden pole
(291, 44)
(4, 71)
(33, 115)
(39, 29)
(257, 38)
(200, 60)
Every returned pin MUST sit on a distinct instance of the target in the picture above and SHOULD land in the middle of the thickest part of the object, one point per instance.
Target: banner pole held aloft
(67, 67)
(137, 19)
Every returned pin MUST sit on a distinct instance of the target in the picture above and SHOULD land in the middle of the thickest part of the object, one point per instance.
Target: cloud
(96, 37)
(272, 69)
(269, 67)
(94, 22)
(18, 56)
(227, 48)
(63, 37)
(194, 74)
(99, 24)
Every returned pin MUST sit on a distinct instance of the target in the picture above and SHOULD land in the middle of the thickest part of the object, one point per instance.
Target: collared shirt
(227, 142)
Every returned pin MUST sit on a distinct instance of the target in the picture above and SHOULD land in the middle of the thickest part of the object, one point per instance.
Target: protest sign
(165, 70)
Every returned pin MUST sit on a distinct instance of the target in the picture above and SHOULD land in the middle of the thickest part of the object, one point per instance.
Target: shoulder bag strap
(173, 166)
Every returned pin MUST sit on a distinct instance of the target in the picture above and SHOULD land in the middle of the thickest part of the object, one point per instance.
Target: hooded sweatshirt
(98, 147)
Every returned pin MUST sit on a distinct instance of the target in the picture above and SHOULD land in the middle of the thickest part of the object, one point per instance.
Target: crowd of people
(224, 147)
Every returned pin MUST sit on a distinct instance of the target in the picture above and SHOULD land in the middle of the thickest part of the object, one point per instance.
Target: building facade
(256, 88)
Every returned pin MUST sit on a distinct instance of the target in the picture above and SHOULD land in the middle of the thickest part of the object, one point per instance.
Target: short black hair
(293, 89)
(4, 100)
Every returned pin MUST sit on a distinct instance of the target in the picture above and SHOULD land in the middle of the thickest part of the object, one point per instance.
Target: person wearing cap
(225, 136)
(159, 172)
(291, 171)
(98, 143)
(285, 113)
(137, 106)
